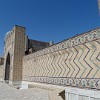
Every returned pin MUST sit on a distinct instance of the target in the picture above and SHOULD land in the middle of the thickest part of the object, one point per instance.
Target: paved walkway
(9, 93)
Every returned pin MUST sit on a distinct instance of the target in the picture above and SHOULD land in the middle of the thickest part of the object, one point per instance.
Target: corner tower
(14, 51)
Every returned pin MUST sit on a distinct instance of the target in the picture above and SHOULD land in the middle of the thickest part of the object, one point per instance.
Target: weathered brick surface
(15, 46)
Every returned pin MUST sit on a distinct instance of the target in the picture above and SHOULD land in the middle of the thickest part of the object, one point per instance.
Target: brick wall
(1, 72)
(74, 62)
(15, 47)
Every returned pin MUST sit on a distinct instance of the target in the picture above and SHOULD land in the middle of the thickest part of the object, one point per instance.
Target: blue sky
(47, 20)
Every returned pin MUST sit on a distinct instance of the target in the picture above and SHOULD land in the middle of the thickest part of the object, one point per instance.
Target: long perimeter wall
(74, 62)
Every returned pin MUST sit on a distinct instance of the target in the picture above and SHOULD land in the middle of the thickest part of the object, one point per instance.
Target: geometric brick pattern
(72, 62)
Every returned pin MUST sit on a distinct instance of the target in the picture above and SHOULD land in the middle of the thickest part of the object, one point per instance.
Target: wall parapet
(77, 40)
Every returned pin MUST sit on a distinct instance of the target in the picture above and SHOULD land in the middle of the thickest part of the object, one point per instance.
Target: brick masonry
(15, 47)
(74, 62)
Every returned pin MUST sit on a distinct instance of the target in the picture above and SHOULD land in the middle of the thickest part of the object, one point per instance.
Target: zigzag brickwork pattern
(74, 62)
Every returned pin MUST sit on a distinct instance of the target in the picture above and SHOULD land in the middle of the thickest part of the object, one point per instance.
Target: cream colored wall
(72, 62)
(1, 72)
(9, 48)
